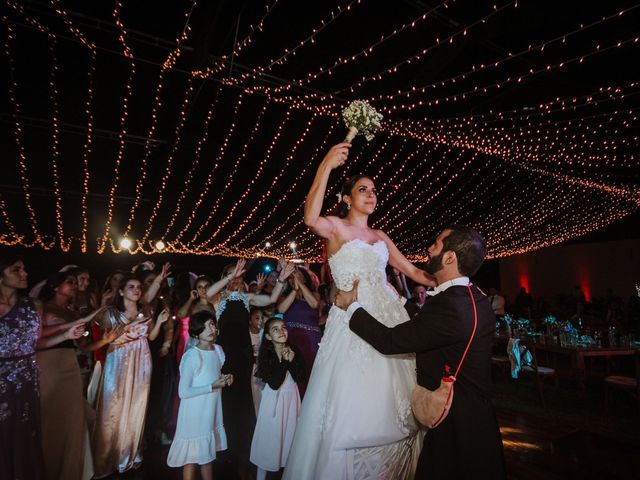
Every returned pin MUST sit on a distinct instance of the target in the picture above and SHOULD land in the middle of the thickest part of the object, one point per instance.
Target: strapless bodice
(359, 259)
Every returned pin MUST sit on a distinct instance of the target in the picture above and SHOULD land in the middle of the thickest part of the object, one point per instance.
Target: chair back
(637, 357)
(529, 346)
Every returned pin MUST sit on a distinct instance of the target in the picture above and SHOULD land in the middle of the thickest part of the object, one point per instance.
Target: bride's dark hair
(342, 210)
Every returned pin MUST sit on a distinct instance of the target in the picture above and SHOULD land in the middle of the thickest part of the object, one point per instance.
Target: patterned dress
(20, 438)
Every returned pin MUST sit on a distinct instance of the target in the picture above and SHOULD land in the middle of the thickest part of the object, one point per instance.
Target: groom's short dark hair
(468, 246)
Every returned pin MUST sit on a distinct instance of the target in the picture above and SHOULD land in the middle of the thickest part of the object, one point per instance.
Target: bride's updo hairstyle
(342, 210)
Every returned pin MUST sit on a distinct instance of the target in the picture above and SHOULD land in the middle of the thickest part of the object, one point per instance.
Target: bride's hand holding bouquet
(337, 155)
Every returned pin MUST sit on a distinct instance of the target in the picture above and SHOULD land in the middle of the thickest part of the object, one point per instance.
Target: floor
(571, 439)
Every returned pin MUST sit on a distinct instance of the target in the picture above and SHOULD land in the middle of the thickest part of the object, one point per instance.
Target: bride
(356, 421)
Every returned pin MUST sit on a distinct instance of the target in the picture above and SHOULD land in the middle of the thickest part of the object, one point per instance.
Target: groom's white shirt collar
(463, 281)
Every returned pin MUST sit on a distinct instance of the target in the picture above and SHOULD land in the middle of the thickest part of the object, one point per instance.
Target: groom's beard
(434, 264)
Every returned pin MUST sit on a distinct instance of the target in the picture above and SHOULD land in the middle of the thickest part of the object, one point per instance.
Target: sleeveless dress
(65, 431)
(356, 420)
(122, 397)
(20, 437)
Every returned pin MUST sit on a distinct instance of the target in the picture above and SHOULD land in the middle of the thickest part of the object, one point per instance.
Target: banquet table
(578, 353)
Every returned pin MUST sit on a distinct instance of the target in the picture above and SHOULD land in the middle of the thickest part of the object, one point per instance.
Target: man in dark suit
(467, 444)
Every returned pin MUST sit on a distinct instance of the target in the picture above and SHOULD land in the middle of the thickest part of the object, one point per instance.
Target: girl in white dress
(200, 430)
(280, 366)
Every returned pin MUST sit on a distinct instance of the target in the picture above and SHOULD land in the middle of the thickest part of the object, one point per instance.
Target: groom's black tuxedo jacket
(467, 443)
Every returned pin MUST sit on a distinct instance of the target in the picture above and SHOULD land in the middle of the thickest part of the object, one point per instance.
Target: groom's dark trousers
(467, 444)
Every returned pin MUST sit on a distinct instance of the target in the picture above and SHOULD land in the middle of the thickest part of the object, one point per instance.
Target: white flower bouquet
(361, 118)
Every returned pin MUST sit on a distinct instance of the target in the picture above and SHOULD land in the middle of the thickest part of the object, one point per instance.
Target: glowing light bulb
(125, 243)
(267, 244)
(160, 245)
(292, 245)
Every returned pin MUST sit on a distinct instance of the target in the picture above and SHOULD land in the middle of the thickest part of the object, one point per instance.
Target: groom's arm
(428, 330)
(404, 338)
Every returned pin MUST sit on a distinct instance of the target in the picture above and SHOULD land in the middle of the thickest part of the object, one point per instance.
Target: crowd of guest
(79, 365)
(595, 314)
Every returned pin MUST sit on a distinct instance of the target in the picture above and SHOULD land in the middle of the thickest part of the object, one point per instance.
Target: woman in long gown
(65, 432)
(124, 387)
(232, 312)
(20, 333)
(301, 309)
(356, 420)
(20, 437)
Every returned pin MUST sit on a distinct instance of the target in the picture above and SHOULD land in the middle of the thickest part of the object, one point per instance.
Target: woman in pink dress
(124, 387)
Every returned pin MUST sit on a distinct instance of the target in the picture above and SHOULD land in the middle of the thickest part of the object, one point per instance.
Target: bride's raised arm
(335, 158)
(399, 261)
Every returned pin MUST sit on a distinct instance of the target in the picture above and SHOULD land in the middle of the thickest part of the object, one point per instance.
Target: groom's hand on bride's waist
(344, 298)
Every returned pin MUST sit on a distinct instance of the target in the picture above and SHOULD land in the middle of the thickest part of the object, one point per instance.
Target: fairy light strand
(168, 64)
(231, 178)
(194, 165)
(88, 144)
(511, 79)
(287, 163)
(494, 63)
(245, 193)
(167, 172)
(217, 161)
(258, 71)
(102, 243)
(253, 232)
(363, 53)
(22, 156)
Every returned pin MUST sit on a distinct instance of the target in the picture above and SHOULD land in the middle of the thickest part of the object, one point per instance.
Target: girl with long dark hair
(280, 366)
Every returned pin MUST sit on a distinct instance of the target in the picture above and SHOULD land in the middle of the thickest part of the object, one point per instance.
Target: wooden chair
(621, 382)
(538, 372)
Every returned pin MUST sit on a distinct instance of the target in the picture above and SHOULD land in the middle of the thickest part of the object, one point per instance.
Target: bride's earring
(348, 206)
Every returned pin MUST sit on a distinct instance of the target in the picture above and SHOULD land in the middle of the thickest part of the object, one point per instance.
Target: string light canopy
(186, 129)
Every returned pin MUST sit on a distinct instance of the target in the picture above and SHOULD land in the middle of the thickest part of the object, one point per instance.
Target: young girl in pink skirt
(280, 366)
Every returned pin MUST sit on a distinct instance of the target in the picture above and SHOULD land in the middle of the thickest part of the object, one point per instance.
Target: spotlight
(160, 245)
(125, 243)
(267, 244)
(292, 245)
(267, 268)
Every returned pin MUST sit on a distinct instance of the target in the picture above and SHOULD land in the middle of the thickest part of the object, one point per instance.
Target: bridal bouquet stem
(361, 118)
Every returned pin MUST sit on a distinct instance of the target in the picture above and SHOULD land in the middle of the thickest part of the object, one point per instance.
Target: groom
(467, 444)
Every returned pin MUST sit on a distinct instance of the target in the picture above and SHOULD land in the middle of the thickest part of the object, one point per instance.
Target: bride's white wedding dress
(356, 421)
